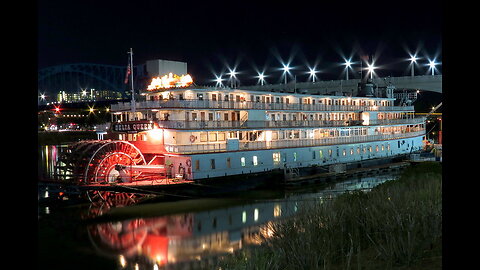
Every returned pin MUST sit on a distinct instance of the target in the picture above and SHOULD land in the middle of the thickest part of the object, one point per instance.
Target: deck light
(432, 64)
(312, 73)
(371, 68)
(413, 60)
(348, 64)
(218, 80)
(232, 76)
(286, 69)
(261, 78)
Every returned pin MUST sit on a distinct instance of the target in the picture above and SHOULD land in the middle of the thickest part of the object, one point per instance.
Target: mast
(132, 103)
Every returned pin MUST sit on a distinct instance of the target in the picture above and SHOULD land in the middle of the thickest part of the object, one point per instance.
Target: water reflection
(191, 240)
(47, 159)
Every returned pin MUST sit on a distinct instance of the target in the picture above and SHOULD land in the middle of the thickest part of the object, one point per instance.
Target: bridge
(73, 77)
(424, 83)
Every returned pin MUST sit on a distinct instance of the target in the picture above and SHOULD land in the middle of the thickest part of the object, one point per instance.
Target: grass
(398, 225)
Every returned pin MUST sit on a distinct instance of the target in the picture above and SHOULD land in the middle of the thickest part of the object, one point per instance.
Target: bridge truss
(75, 77)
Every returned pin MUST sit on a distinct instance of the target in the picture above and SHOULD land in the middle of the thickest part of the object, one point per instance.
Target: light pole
(312, 73)
(347, 64)
(261, 78)
(218, 80)
(286, 69)
(232, 78)
(413, 61)
(370, 68)
(432, 65)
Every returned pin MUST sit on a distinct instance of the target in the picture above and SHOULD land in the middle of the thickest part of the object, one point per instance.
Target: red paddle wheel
(90, 162)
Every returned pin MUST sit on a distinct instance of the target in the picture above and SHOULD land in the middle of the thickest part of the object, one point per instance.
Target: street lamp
(261, 78)
(286, 69)
(432, 65)
(347, 64)
(370, 68)
(413, 60)
(312, 73)
(218, 80)
(232, 77)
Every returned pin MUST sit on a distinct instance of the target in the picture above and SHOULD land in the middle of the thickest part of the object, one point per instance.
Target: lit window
(294, 156)
(244, 216)
(255, 214)
(321, 153)
(242, 161)
(351, 151)
(203, 137)
(277, 210)
(344, 152)
(255, 161)
(276, 158)
(212, 136)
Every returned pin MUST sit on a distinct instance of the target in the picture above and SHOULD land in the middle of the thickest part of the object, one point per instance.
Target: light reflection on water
(194, 239)
(184, 239)
(47, 160)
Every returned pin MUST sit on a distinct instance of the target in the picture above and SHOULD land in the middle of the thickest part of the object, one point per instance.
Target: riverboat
(181, 134)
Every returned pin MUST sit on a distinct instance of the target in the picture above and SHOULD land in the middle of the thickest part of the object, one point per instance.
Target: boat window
(197, 164)
(276, 158)
(212, 136)
(212, 164)
(203, 136)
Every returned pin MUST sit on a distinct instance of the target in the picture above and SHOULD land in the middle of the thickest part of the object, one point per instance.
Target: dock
(338, 175)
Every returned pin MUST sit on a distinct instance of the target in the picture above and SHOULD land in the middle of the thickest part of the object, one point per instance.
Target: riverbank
(63, 137)
(397, 225)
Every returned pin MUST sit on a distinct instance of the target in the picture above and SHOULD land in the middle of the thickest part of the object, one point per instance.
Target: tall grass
(397, 224)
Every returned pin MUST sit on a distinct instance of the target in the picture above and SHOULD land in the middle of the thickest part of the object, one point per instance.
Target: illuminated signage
(170, 81)
(132, 126)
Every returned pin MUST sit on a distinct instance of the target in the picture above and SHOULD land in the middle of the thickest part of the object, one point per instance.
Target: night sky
(250, 35)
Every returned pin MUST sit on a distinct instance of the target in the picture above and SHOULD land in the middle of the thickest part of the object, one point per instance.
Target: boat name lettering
(133, 127)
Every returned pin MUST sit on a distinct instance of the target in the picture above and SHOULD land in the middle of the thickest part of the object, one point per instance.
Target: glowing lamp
(155, 135)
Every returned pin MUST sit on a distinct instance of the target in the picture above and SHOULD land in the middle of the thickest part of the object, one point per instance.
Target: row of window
(276, 99)
(277, 157)
(280, 135)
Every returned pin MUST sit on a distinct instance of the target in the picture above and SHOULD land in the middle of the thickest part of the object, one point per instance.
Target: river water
(146, 233)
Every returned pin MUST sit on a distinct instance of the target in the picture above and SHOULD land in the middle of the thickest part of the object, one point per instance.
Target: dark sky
(253, 34)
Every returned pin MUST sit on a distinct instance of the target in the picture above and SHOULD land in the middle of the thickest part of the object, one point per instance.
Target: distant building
(92, 95)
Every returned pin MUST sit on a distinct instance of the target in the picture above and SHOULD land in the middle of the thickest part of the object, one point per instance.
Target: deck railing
(185, 125)
(248, 105)
(262, 145)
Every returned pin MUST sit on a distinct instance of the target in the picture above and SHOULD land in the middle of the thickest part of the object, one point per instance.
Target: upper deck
(235, 99)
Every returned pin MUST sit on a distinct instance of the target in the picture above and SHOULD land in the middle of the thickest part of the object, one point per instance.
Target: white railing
(248, 105)
(222, 147)
(281, 124)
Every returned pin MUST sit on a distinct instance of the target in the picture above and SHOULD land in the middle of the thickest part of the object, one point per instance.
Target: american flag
(128, 73)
